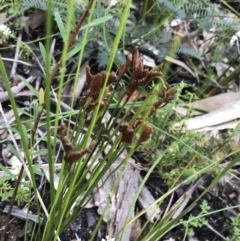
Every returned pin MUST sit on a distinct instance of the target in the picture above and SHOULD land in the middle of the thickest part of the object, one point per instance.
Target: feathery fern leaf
(187, 51)
(229, 25)
(43, 4)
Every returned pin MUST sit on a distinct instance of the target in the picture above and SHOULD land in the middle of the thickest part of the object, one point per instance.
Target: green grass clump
(140, 124)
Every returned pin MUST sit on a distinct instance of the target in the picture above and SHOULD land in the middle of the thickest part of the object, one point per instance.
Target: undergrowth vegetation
(126, 109)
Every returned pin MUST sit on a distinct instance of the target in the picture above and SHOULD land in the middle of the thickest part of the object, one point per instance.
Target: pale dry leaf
(208, 40)
(109, 3)
(3, 16)
(181, 64)
(14, 162)
(235, 143)
(222, 68)
(15, 89)
(35, 20)
(175, 22)
(182, 202)
(149, 62)
(223, 126)
(146, 201)
(216, 117)
(118, 200)
(23, 214)
(209, 104)
(47, 175)
(190, 238)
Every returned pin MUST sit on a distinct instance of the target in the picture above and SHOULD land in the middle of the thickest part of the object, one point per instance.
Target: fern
(190, 52)
(186, 10)
(193, 7)
(102, 57)
(59, 6)
(166, 5)
(198, 12)
(229, 25)
(200, 9)
(43, 4)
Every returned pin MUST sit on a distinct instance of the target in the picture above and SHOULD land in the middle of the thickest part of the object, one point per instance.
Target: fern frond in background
(100, 38)
(60, 5)
(190, 52)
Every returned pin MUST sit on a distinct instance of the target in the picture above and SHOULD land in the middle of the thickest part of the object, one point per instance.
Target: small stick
(72, 38)
(15, 63)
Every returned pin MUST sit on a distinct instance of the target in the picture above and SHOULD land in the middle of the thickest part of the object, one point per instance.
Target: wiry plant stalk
(57, 66)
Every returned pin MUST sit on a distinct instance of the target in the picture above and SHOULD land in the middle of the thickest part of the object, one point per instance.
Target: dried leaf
(35, 20)
(211, 103)
(219, 116)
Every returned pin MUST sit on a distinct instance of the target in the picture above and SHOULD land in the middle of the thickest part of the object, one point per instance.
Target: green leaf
(6, 170)
(53, 139)
(41, 96)
(6, 195)
(97, 22)
(40, 152)
(75, 50)
(30, 87)
(35, 109)
(43, 51)
(60, 24)
(37, 170)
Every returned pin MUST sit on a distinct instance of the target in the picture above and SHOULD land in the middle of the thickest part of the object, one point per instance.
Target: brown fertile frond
(151, 75)
(139, 76)
(112, 78)
(74, 156)
(96, 82)
(167, 96)
(83, 99)
(132, 86)
(136, 123)
(127, 134)
(146, 133)
(125, 66)
(137, 65)
(70, 155)
(67, 146)
(147, 130)
(88, 75)
(171, 93)
(94, 102)
(104, 101)
(91, 106)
